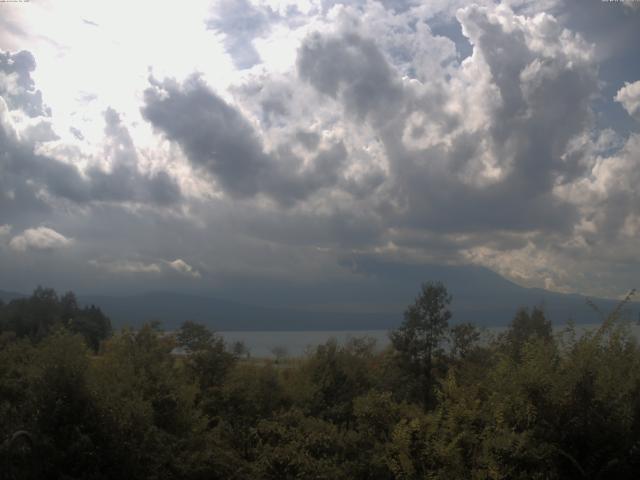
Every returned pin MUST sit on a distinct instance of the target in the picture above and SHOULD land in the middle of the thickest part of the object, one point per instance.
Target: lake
(296, 343)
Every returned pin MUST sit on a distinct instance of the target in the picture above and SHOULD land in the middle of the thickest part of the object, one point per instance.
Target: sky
(199, 145)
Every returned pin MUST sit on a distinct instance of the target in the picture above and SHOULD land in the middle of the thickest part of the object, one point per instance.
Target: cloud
(184, 268)
(35, 180)
(16, 85)
(124, 182)
(127, 266)
(76, 133)
(629, 97)
(460, 170)
(352, 68)
(485, 158)
(40, 238)
(220, 141)
(240, 22)
(461, 156)
(212, 133)
(377, 140)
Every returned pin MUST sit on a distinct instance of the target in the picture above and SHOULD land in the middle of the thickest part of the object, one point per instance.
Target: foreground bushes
(526, 404)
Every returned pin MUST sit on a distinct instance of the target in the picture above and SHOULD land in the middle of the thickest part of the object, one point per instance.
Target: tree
(337, 374)
(208, 359)
(463, 338)
(526, 326)
(92, 324)
(36, 316)
(194, 336)
(419, 338)
(240, 349)
(146, 409)
(280, 353)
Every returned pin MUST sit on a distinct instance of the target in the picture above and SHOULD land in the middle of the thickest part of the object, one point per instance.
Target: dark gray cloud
(241, 22)
(352, 69)
(124, 181)
(310, 140)
(212, 134)
(219, 140)
(25, 173)
(542, 105)
(16, 85)
(545, 100)
(32, 183)
(612, 29)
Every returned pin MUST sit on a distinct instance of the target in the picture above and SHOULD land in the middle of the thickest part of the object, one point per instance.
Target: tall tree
(524, 327)
(207, 357)
(420, 336)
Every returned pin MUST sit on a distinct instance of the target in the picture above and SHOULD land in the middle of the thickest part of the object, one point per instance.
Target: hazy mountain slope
(479, 296)
(173, 308)
(376, 301)
(7, 296)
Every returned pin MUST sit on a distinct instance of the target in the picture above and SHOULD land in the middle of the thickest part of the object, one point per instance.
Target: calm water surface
(262, 344)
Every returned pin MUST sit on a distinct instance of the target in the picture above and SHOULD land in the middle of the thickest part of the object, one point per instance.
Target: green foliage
(154, 405)
(464, 338)
(419, 339)
(35, 317)
(336, 375)
(194, 337)
(146, 404)
(524, 327)
(17, 377)
(207, 361)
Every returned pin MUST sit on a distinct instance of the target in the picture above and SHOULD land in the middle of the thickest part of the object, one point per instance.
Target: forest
(443, 401)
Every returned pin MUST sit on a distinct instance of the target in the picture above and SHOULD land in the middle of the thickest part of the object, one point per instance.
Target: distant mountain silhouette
(8, 296)
(173, 308)
(480, 296)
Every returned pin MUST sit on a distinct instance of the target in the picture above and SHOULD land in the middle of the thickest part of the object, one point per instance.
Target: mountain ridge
(480, 296)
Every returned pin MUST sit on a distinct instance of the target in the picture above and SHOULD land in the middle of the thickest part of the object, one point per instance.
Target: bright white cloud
(40, 238)
(629, 97)
(184, 268)
(129, 267)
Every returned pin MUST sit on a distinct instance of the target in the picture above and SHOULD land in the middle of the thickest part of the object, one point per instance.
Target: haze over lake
(297, 343)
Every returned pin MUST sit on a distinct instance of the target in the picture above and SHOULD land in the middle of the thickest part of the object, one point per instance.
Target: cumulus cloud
(124, 181)
(381, 140)
(40, 238)
(352, 68)
(240, 22)
(16, 85)
(212, 133)
(130, 266)
(491, 152)
(629, 97)
(220, 141)
(184, 268)
(536, 80)
(36, 179)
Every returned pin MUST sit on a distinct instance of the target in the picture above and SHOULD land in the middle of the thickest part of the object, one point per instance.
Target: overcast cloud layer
(296, 141)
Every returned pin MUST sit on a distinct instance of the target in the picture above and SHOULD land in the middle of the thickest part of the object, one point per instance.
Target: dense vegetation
(441, 402)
